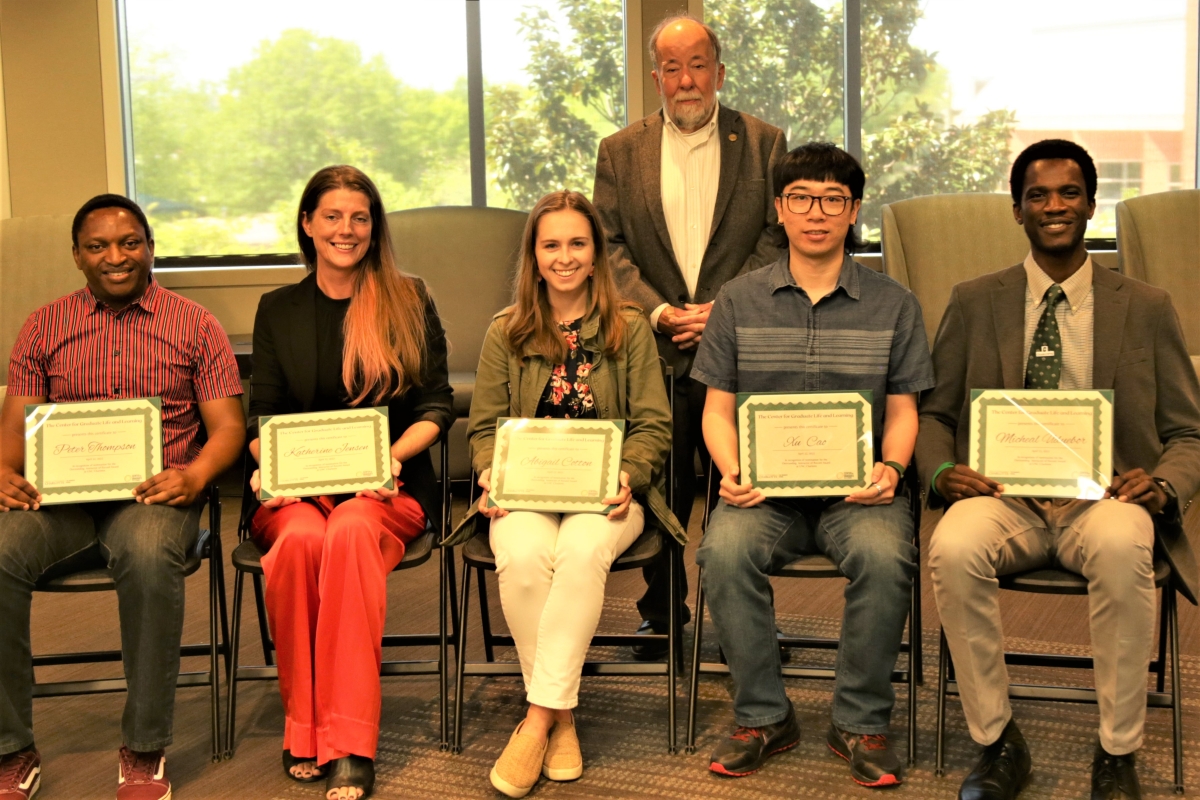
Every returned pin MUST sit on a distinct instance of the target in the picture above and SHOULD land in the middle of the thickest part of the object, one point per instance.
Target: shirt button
(116, 352)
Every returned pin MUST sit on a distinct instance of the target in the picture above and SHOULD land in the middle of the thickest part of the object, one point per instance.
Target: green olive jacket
(627, 386)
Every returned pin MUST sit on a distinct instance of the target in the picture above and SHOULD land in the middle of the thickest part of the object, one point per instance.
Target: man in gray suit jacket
(686, 200)
(1057, 322)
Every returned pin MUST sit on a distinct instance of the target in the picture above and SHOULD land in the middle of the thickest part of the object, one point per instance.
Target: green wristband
(896, 466)
(936, 473)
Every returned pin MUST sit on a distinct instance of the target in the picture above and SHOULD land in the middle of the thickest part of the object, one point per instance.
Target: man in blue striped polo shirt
(815, 321)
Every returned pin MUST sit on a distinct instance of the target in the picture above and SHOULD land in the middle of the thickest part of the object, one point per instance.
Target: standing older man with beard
(686, 200)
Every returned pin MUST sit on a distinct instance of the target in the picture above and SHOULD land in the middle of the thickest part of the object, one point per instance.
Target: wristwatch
(1167, 488)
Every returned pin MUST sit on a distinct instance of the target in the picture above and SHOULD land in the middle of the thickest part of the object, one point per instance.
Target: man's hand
(485, 483)
(960, 482)
(384, 494)
(741, 495)
(685, 326)
(171, 486)
(1137, 486)
(621, 500)
(17, 493)
(882, 490)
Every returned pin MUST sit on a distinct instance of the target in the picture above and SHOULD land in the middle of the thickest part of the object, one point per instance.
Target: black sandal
(290, 761)
(354, 772)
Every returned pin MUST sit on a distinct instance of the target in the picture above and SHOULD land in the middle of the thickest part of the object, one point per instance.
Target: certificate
(324, 452)
(85, 452)
(810, 444)
(1041, 443)
(562, 465)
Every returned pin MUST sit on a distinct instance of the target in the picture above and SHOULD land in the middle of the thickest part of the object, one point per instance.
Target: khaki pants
(1108, 542)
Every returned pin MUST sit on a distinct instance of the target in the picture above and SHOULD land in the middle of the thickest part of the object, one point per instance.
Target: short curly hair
(1057, 149)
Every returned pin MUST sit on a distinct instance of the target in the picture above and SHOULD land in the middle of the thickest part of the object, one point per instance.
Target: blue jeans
(871, 545)
(146, 548)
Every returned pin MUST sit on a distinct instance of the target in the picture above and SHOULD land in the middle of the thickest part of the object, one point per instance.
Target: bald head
(686, 26)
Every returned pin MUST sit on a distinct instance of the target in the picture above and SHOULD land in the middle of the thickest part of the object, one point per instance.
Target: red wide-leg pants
(326, 571)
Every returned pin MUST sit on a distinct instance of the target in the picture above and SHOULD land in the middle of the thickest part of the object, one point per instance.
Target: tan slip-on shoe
(564, 759)
(520, 765)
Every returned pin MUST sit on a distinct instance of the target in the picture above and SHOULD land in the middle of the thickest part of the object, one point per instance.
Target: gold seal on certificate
(84, 452)
(1043, 443)
(324, 452)
(559, 465)
(808, 444)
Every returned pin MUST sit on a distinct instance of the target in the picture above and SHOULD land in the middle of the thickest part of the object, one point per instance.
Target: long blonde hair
(531, 325)
(384, 331)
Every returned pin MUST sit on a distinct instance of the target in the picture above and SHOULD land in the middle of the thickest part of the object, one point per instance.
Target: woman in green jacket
(567, 348)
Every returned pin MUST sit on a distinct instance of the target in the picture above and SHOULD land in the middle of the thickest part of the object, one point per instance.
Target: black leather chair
(247, 560)
(818, 566)
(99, 579)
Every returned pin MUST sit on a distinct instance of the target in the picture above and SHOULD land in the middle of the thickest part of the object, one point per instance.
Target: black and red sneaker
(872, 761)
(20, 774)
(747, 749)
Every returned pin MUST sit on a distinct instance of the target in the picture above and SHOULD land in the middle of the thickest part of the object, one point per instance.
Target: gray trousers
(1108, 542)
(146, 548)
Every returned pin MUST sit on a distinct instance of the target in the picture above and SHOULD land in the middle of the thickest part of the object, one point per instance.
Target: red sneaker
(20, 775)
(143, 776)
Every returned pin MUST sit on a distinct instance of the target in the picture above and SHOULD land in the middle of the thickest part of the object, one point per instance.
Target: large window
(229, 120)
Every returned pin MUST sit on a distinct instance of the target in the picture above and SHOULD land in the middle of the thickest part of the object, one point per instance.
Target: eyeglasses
(832, 204)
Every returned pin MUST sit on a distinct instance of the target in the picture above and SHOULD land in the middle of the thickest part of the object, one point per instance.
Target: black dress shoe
(653, 649)
(1114, 777)
(745, 751)
(1003, 768)
(872, 760)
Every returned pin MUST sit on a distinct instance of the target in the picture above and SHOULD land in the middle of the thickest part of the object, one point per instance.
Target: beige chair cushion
(1158, 241)
(35, 268)
(932, 243)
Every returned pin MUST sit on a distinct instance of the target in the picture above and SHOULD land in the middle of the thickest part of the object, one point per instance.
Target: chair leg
(914, 646)
(443, 739)
(1170, 601)
(916, 638)
(234, 640)
(485, 616)
(462, 657)
(1160, 667)
(214, 677)
(943, 658)
(694, 681)
(264, 630)
(673, 643)
(452, 597)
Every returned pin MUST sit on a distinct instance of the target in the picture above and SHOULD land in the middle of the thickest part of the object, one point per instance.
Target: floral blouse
(568, 394)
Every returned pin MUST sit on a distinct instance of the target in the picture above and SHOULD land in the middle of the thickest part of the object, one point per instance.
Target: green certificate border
(611, 430)
(380, 437)
(1099, 400)
(149, 408)
(749, 403)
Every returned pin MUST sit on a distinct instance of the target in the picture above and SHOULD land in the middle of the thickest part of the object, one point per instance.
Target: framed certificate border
(1099, 460)
(36, 416)
(381, 459)
(749, 404)
(612, 431)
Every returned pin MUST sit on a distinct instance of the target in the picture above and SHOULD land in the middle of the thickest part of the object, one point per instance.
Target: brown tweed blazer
(745, 229)
(1139, 353)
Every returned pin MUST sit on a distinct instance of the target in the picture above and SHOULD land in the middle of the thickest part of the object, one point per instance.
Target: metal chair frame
(818, 566)
(1053, 580)
(247, 561)
(477, 555)
(208, 547)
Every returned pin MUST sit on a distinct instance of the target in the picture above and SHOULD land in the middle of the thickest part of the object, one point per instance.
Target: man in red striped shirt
(121, 336)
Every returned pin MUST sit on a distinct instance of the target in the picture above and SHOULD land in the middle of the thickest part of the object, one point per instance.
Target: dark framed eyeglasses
(832, 204)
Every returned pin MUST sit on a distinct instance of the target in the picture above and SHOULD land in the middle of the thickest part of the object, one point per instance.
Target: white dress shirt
(1076, 319)
(691, 172)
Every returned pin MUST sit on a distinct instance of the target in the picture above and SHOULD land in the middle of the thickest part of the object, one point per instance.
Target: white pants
(1108, 542)
(552, 569)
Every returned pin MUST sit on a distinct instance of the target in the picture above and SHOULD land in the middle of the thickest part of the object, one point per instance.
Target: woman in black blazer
(354, 332)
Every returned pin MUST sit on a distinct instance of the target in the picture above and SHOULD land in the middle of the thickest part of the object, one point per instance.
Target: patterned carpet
(622, 725)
